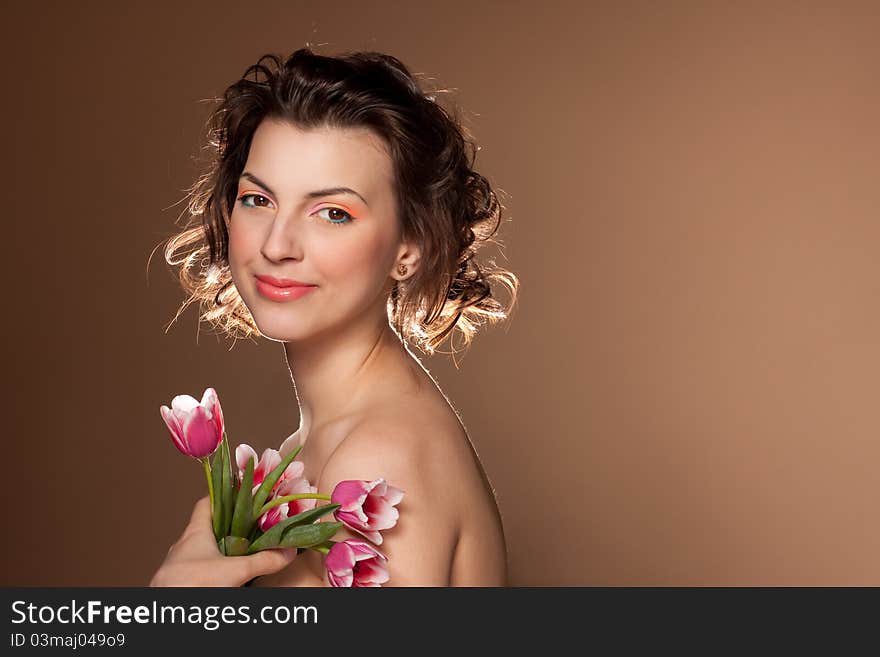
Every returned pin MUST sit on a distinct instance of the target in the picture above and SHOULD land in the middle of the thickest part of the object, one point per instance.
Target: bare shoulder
(448, 531)
(420, 547)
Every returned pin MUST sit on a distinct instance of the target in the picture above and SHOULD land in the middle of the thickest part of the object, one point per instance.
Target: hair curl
(444, 205)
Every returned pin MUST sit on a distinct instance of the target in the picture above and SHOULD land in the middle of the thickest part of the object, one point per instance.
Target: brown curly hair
(444, 205)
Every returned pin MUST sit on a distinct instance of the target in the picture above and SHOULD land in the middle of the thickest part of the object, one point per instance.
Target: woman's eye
(335, 216)
(244, 198)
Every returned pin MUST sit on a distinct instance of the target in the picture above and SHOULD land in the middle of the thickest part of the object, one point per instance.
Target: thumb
(269, 561)
(201, 511)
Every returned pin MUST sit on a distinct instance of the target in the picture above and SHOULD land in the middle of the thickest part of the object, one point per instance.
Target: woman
(339, 217)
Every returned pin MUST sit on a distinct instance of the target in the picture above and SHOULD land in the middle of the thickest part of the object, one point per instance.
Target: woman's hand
(195, 559)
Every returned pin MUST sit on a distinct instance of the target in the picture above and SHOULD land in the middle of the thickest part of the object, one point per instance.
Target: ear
(409, 255)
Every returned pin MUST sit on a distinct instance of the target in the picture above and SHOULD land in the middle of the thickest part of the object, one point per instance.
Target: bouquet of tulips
(267, 503)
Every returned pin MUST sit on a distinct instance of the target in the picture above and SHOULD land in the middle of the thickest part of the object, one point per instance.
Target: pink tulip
(353, 562)
(196, 428)
(367, 506)
(266, 463)
(289, 486)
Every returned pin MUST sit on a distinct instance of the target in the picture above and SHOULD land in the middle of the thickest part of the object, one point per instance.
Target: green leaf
(242, 517)
(236, 546)
(306, 536)
(308, 516)
(217, 508)
(270, 480)
(272, 537)
(226, 486)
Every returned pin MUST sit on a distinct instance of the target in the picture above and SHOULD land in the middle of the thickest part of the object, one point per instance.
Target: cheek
(239, 253)
(239, 243)
(353, 259)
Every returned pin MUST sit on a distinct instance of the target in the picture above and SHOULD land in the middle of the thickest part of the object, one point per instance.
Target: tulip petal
(353, 522)
(373, 536)
(364, 550)
(381, 514)
(373, 572)
(243, 454)
(340, 564)
(184, 404)
(294, 470)
(349, 494)
(201, 434)
(339, 581)
(272, 517)
(212, 403)
(355, 563)
(175, 429)
(393, 495)
(268, 461)
(293, 487)
(209, 398)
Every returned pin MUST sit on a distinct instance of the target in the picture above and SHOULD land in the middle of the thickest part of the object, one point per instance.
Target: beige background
(687, 392)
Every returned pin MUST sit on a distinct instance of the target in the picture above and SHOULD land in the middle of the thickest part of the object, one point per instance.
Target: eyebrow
(330, 191)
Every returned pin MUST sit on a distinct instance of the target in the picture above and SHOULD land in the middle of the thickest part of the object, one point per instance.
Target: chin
(279, 322)
(286, 331)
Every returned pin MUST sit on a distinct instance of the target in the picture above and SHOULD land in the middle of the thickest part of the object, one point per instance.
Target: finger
(267, 561)
(201, 511)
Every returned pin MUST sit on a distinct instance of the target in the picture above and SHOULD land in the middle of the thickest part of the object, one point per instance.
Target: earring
(401, 269)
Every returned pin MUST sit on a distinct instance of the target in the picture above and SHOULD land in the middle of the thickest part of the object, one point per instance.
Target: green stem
(207, 465)
(227, 481)
(278, 501)
(323, 549)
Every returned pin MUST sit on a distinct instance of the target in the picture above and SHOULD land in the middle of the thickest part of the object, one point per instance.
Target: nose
(281, 241)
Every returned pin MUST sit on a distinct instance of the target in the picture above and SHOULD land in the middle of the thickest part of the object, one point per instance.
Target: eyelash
(329, 221)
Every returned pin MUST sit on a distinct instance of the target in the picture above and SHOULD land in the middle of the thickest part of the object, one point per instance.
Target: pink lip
(281, 282)
(284, 290)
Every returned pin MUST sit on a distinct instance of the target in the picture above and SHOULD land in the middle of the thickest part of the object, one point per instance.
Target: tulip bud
(353, 562)
(196, 428)
(367, 506)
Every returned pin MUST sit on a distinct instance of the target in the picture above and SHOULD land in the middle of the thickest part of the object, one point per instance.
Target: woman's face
(291, 221)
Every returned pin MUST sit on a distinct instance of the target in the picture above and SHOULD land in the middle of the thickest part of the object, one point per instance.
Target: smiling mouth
(281, 282)
(282, 293)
